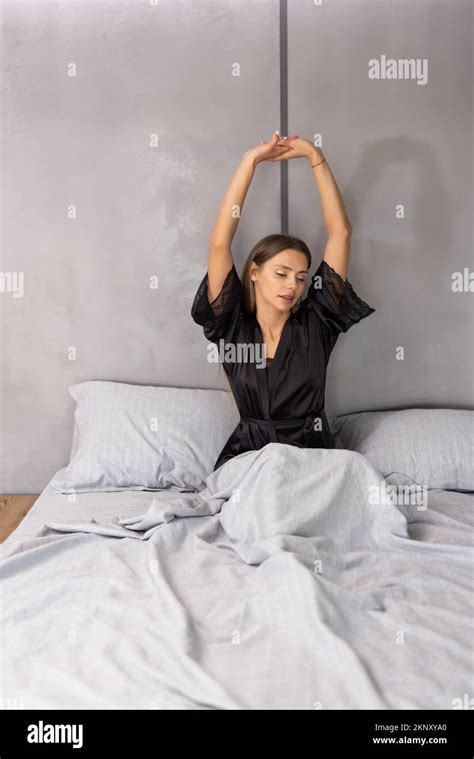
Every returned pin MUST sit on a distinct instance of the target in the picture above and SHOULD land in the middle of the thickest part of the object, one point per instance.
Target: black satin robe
(283, 402)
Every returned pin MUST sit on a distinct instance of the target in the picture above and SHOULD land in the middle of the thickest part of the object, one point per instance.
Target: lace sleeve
(335, 300)
(216, 317)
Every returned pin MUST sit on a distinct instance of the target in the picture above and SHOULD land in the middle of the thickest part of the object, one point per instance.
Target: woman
(280, 399)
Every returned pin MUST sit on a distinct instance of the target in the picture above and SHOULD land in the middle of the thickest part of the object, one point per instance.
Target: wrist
(316, 155)
(249, 159)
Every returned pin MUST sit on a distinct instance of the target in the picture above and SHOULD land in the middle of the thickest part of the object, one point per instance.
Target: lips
(289, 299)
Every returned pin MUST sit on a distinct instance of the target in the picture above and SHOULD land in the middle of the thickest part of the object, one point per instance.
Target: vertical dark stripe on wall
(284, 112)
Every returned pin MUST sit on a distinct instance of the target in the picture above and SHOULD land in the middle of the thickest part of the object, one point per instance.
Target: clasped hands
(283, 148)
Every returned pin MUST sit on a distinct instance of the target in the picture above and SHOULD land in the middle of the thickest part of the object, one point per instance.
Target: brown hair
(263, 251)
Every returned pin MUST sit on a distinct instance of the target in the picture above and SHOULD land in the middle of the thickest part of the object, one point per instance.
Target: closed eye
(282, 274)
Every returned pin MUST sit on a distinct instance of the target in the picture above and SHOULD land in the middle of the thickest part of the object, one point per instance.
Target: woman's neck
(271, 321)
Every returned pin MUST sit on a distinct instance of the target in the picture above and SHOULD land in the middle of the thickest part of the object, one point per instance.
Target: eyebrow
(282, 266)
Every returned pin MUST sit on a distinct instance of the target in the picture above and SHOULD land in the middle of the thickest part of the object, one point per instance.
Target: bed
(287, 579)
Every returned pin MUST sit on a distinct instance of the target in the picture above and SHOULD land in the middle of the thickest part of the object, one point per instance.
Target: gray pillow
(429, 447)
(134, 437)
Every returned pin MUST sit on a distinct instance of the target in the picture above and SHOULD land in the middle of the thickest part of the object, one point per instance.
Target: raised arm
(220, 255)
(338, 246)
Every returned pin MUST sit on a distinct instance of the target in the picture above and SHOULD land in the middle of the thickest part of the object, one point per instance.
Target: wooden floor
(13, 508)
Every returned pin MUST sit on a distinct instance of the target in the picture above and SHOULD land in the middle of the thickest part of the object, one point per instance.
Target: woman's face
(280, 282)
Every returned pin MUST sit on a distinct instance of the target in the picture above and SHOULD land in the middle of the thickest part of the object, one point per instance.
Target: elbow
(343, 231)
(218, 244)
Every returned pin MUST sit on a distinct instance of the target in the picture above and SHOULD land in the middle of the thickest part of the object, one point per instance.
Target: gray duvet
(293, 581)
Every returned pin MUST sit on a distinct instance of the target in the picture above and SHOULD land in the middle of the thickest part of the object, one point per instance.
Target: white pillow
(429, 447)
(145, 438)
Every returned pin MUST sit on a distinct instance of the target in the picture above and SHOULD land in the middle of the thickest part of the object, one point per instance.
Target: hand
(299, 148)
(274, 148)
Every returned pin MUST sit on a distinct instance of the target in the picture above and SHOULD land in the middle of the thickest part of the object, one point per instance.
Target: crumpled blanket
(289, 582)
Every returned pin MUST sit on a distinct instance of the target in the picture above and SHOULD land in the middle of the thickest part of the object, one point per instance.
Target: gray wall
(83, 141)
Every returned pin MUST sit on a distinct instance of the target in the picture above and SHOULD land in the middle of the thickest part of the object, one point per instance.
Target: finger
(281, 151)
(284, 156)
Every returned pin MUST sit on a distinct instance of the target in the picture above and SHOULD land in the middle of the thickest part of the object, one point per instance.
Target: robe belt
(275, 422)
